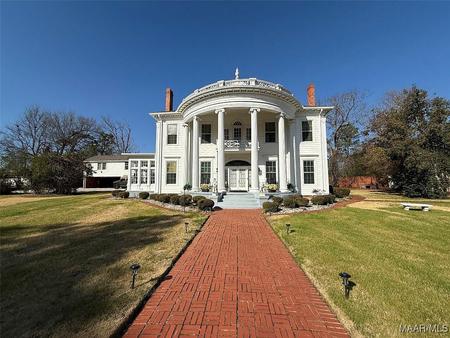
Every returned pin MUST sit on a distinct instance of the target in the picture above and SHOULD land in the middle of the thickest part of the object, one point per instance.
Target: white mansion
(235, 135)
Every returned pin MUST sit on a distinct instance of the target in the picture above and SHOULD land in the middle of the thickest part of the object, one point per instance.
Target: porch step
(239, 201)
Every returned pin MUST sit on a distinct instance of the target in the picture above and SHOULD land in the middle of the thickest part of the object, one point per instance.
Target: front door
(238, 178)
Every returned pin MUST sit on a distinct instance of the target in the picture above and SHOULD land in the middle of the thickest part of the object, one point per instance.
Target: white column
(220, 150)
(323, 144)
(295, 174)
(282, 153)
(158, 171)
(186, 153)
(195, 186)
(254, 150)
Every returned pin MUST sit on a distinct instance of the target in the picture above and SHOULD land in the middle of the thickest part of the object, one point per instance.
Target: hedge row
(323, 199)
(200, 202)
(297, 201)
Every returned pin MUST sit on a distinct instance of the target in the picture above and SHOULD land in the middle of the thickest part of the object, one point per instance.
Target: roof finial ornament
(236, 74)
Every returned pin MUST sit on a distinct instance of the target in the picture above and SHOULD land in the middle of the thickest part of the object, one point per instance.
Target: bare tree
(71, 133)
(121, 133)
(344, 122)
(29, 134)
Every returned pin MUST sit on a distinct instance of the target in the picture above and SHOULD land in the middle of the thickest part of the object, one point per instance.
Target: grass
(399, 260)
(65, 261)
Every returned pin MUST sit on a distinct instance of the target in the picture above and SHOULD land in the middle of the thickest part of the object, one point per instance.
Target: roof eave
(322, 110)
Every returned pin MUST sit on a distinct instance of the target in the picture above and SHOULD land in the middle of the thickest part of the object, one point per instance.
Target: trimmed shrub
(6, 187)
(277, 200)
(153, 197)
(302, 201)
(290, 202)
(143, 195)
(341, 192)
(116, 193)
(198, 198)
(164, 198)
(185, 200)
(175, 199)
(205, 204)
(323, 199)
(124, 194)
(270, 207)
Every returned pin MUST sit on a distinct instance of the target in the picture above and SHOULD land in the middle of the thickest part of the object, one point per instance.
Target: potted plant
(272, 187)
(204, 187)
(291, 187)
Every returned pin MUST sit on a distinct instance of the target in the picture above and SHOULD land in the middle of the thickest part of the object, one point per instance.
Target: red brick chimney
(169, 99)
(311, 92)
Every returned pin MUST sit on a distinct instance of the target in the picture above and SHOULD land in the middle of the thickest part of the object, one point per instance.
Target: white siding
(306, 150)
(113, 168)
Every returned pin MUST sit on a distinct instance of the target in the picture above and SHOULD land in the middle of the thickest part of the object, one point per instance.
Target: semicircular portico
(231, 102)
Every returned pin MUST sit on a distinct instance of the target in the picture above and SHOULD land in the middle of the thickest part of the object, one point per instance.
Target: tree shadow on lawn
(65, 275)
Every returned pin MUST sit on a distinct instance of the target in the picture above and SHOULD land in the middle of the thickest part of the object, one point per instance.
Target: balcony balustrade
(238, 145)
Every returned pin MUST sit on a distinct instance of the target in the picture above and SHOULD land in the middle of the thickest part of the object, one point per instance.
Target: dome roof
(250, 85)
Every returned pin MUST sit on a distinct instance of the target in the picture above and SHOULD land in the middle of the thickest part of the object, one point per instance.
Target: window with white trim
(144, 176)
(126, 165)
(226, 134)
(271, 172)
(237, 133)
(206, 133)
(307, 132)
(152, 172)
(270, 132)
(308, 172)
(171, 172)
(205, 172)
(134, 175)
(171, 134)
(101, 166)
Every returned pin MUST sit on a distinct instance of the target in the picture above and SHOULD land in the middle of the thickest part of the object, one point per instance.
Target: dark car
(120, 184)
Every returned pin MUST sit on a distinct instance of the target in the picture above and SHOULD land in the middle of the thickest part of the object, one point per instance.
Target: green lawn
(399, 260)
(65, 261)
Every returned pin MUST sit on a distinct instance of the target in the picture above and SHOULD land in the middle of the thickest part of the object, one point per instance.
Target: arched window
(237, 123)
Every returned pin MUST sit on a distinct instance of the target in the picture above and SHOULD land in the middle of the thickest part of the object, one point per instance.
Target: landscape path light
(186, 227)
(347, 283)
(134, 270)
(288, 226)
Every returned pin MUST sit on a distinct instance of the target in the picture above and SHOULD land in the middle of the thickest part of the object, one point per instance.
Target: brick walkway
(236, 279)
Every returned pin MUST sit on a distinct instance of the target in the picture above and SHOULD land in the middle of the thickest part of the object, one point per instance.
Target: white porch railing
(237, 144)
(240, 83)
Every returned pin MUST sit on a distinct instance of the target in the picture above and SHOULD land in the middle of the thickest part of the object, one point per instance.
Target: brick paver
(236, 279)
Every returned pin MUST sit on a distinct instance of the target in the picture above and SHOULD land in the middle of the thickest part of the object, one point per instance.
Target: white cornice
(239, 86)
(166, 115)
(321, 110)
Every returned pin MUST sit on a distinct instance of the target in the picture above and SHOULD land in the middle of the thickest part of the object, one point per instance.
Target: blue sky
(116, 58)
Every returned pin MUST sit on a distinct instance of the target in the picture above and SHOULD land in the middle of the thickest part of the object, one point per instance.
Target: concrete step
(239, 201)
